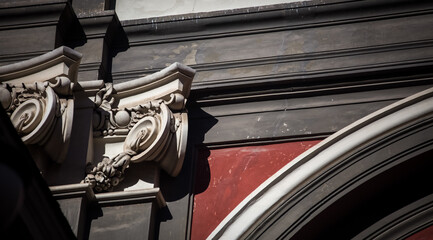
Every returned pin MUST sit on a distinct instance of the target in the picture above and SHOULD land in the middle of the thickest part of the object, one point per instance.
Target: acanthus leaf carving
(109, 172)
(38, 97)
(153, 130)
(39, 113)
(149, 129)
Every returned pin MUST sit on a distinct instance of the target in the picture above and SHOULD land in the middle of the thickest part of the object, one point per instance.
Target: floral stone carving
(37, 94)
(147, 117)
(142, 120)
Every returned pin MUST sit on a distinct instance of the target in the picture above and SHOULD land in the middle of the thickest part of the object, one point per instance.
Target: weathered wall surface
(292, 72)
(134, 9)
(280, 73)
(226, 176)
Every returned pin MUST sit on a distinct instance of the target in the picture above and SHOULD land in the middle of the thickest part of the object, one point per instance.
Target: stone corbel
(37, 94)
(140, 120)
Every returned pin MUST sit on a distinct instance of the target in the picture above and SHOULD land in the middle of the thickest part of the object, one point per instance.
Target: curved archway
(346, 184)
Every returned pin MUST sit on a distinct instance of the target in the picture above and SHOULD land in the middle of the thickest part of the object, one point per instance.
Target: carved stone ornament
(140, 120)
(37, 94)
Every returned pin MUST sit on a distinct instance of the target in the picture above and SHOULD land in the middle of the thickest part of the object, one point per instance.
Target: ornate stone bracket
(37, 94)
(142, 120)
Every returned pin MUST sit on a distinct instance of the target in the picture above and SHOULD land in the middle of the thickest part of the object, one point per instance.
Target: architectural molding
(288, 181)
(74, 200)
(403, 223)
(103, 31)
(51, 23)
(122, 75)
(298, 66)
(125, 212)
(47, 12)
(115, 119)
(141, 120)
(38, 96)
(120, 198)
(247, 86)
(73, 190)
(280, 86)
(265, 19)
(146, 117)
(18, 57)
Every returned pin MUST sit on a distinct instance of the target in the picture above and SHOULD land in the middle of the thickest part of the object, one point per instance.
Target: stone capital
(142, 120)
(38, 96)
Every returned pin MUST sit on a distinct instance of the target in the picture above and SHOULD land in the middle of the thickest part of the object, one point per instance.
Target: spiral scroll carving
(27, 116)
(41, 112)
(32, 109)
(151, 126)
(131, 126)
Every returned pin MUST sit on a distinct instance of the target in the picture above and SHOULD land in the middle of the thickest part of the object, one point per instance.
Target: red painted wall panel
(226, 176)
(425, 234)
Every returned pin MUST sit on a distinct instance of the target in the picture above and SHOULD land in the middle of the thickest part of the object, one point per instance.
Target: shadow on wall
(202, 172)
(119, 42)
(174, 188)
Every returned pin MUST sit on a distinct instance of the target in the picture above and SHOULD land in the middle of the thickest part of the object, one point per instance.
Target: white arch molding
(306, 167)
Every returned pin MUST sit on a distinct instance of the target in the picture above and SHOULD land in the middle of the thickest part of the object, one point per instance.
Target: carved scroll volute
(161, 137)
(33, 113)
(156, 138)
(42, 110)
(147, 117)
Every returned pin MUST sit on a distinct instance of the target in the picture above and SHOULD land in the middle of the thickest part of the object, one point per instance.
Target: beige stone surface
(136, 9)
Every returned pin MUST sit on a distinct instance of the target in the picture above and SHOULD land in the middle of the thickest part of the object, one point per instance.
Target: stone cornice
(308, 65)
(73, 190)
(33, 14)
(153, 194)
(16, 13)
(256, 20)
(96, 25)
(175, 78)
(62, 61)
